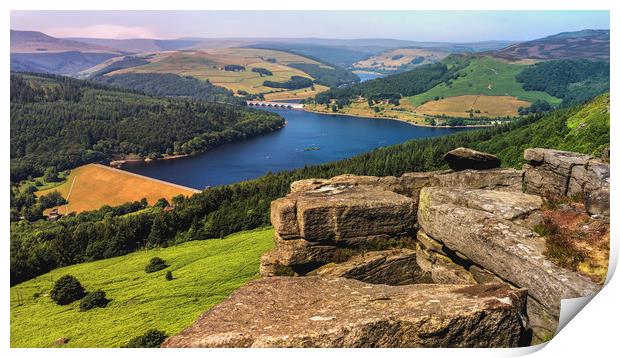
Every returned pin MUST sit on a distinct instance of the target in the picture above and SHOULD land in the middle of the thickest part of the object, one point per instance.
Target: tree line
(573, 80)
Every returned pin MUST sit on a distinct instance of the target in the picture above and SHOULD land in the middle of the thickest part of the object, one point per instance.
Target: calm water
(368, 76)
(338, 137)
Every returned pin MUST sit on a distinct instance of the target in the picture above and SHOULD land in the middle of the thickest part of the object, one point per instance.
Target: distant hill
(33, 51)
(469, 89)
(38, 42)
(400, 60)
(61, 63)
(139, 45)
(588, 44)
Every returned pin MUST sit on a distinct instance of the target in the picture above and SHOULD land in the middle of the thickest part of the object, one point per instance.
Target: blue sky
(454, 26)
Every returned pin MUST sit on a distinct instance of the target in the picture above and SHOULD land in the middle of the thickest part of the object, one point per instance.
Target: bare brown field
(93, 185)
(459, 106)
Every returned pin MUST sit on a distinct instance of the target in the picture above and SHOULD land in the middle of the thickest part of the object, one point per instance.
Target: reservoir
(368, 76)
(307, 139)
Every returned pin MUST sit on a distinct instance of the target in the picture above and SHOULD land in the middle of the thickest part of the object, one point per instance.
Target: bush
(169, 276)
(66, 290)
(151, 339)
(93, 299)
(156, 264)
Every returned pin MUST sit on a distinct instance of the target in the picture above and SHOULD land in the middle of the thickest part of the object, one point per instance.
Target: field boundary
(148, 178)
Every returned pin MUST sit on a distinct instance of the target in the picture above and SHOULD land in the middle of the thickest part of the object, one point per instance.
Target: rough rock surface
(511, 251)
(338, 312)
(466, 158)
(341, 212)
(554, 172)
(503, 179)
(389, 267)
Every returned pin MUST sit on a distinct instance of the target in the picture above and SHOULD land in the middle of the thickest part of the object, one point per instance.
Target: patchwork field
(205, 273)
(485, 76)
(391, 60)
(209, 65)
(482, 106)
(403, 112)
(91, 186)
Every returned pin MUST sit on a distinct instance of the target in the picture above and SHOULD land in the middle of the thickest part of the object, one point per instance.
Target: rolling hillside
(472, 89)
(205, 273)
(211, 65)
(33, 51)
(484, 76)
(399, 60)
(589, 44)
(38, 42)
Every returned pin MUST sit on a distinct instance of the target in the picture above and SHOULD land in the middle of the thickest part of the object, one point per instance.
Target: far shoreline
(400, 120)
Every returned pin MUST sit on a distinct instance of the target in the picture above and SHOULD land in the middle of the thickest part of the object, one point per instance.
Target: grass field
(206, 272)
(209, 65)
(91, 186)
(362, 109)
(484, 76)
(459, 106)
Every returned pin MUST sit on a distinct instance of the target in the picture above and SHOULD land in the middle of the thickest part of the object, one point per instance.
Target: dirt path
(69, 194)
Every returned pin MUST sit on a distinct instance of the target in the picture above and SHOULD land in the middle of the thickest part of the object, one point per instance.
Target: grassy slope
(479, 74)
(205, 272)
(585, 130)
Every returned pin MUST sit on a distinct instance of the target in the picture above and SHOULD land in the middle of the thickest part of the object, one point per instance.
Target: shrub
(156, 264)
(66, 290)
(169, 276)
(153, 338)
(93, 299)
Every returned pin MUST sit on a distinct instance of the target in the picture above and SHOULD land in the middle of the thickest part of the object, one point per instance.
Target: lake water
(307, 139)
(368, 76)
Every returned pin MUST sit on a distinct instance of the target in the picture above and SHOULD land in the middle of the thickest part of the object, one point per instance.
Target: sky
(446, 26)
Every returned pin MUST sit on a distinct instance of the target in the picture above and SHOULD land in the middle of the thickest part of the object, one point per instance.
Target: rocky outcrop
(338, 312)
(559, 173)
(466, 158)
(329, 223)
(342, 213)
(487, 236)
(437, 259)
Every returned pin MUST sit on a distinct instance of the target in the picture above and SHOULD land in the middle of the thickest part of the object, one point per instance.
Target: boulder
(339, 312)
(511, 251)
(339, 213)
(554, 172)
(466, 158)
(389, 267)
(597, 202)
(549, 170)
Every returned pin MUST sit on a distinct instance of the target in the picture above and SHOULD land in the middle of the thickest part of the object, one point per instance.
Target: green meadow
(485, 76)
(205, 273)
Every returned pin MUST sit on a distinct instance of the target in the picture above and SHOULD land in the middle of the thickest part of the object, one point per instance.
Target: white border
(592, 332)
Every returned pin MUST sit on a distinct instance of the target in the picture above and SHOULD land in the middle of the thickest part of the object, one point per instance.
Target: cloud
(103, 31)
